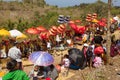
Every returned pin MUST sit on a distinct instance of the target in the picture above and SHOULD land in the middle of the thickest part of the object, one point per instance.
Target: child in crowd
(34, 72)
(89, 56)
(97, 62)
(65, 65)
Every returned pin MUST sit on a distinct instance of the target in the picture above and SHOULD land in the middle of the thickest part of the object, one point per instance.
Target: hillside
(25, 14)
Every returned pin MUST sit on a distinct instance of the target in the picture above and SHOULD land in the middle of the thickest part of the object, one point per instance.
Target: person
(52, 73)
(98, 39)
(2, 51)
(85, 48)
(97, 62)
(14, 53)
(48, 45)
(58, 40)
(41, 74)
(14, 72)
(33, 73)
(89, 56)
(65, 65)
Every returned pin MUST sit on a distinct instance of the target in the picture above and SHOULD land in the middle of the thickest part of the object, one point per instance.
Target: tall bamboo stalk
(108, 31)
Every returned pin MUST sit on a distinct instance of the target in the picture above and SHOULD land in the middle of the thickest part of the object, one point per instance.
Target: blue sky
(64, 3)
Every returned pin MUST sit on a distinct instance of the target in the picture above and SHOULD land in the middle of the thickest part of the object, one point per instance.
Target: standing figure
(65, 65)
(14, 53)
(14, 72)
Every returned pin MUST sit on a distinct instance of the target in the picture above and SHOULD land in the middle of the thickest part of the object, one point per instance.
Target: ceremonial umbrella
(41, 28)
(23, 36)
(15, 33)
(33, 31)
(41, 58)
(4, 32)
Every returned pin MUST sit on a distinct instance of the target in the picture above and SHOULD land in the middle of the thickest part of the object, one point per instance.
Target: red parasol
(44, 35)
(54, 28)
(71, 22)
(73, 26)
(62, 26)
(59, 30)
(77, 21)
(101, 23)
(41, 28)
(104, 20)
(32, 31)
(81, 29)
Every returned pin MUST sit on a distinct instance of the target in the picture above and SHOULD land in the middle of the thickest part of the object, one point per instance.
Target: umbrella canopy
(41, 58)
(76, 57)
(74, 53)
(4, 32)
(15, 33)
(77, 21)
(23, 36)
(41, 28)
(32, 31)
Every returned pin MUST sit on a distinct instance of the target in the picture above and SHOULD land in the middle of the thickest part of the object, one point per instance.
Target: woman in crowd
(14, 72)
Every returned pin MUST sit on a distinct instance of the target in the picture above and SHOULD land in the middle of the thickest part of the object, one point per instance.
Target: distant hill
(26, 14)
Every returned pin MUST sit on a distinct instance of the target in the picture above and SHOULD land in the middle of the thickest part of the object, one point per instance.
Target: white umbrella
(15, 33)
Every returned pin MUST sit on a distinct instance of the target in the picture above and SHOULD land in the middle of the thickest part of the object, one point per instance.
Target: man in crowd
(14, 53)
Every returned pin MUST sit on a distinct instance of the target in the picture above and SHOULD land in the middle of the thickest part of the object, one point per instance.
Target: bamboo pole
(108, 32)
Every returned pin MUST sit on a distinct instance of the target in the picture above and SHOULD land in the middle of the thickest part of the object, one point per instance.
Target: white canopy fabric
(15, 33)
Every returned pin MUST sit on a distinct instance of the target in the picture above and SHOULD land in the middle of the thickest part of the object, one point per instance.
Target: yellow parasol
(23, 36)
(95, 20)
(4, 32)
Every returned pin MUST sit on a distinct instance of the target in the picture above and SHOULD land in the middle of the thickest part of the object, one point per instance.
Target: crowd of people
(93, 54)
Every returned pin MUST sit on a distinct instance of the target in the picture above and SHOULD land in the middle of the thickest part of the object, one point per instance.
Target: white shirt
(68, 41)
(14, 53)
(66, 62)
(58, 38)
(48, 45)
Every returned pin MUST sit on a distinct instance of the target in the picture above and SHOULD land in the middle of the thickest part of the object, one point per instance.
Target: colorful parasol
(33, 31)
(41, 28)
(41, 58)
(4, 32)
(15, 33)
